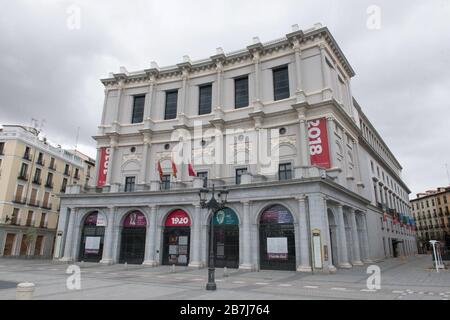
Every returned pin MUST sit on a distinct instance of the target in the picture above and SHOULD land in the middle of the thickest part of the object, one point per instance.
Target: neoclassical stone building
(328, 203)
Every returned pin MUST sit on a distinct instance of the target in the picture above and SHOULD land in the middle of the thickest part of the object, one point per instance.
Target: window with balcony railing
(52, 166)
(40, 159)
(26, 154)
(23, 172)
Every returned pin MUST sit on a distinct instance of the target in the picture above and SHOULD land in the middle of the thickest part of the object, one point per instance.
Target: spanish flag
(191, 170)
(174, 169)
(161, 173)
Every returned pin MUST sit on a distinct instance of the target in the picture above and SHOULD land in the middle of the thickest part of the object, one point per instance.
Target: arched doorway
(333, 237)
(176, 242)
(226, 238)
(132, 243)
(92, 236)
(277, 239)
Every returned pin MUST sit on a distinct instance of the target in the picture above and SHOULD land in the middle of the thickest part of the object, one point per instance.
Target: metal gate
(91, 231)
(132, 245)
(226, 246)
(268, 262)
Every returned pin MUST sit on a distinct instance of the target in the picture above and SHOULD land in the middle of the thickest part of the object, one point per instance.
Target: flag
(191, 170)
(174, 169)
(160, 170)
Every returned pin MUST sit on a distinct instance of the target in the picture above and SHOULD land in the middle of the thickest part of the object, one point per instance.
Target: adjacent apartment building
(329, 196)
(32, 175)
(432, 216)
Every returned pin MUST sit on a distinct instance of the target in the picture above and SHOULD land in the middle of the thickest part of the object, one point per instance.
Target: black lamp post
(213, 206)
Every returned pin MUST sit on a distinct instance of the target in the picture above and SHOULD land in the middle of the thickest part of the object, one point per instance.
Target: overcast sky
(50, 69)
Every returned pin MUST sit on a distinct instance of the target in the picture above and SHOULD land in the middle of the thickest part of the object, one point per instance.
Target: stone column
(247, 264)
(356, 250)
(109, 236)
(366, 259)
(305, 264)
(145, 152)
(69, 236)
(299, 93)
(109, 175)
(327, 91)
(331, 141)
(343, 254)
(119, 98)
(196, 229)
(150, 239)
(359, 182)
(257, 97)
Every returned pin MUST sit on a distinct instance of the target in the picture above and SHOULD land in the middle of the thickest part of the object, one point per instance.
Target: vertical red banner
(318, 143)
(103, 167)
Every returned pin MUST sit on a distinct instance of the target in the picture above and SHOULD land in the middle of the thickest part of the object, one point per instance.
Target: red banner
(318, 143)
(178, 218)
(103, 167)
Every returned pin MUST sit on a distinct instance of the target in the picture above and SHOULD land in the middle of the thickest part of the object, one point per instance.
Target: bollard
(173, 268)
(225, 272)
(25, 291)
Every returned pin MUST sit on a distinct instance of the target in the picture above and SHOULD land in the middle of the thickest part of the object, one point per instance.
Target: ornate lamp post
(213, 206)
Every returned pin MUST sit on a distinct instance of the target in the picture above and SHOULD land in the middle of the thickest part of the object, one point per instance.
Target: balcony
(27, 157)
(46, 206)
(19, 201)
(22, 177)
(33, 203)
(40, 162)
(67, 173)
(49, 185)
(77, 176)
(52, 166)
(37, 181)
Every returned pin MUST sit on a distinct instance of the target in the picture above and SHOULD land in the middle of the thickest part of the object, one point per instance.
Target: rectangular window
(40, 159)
(45, 203)
(66, 170)
(2, 148)
(52, 164)
(284, 171)
(241, 92)
(19, 192)
(239, 173)
(42, 223)
(33, 197)
(37, 176)
(138, 109)
(26, 154)
(129, 184)
(64, 185)
(77, 173)
(281, 83)
(49, 183)
(165, 182)
(171, 105)
(15, 216)
(205, 99)
(204, 176)
(23, 171)
(29, 218)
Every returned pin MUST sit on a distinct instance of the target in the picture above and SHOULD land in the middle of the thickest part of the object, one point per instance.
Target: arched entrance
(92, 236)
(177, 234)
(333, 237)
(132, 243)
(277, 239)
(226, 238)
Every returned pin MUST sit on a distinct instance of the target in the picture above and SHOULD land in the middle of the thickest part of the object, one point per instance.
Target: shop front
(277, 239)
(226, 238)
(92, 236)
(132, 243)
(176, 242)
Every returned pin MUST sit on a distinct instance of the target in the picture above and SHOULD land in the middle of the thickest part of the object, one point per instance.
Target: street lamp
(213, 206)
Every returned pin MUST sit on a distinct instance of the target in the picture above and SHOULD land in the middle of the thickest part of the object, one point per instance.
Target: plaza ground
(402, 278)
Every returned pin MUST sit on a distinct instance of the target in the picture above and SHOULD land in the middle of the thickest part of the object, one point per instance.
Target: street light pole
(213, 206)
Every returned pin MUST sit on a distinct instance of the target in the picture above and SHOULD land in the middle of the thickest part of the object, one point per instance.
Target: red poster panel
(178, 218)
(318, 143)
(103, 167)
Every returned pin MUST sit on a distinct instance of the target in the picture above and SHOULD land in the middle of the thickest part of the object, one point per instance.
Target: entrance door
(394, 247)
(277, 239)
(92, 236)
(226, 239)
(24, 246)
(9, 244)
(132, 244)
(177, 234)
(38, 246)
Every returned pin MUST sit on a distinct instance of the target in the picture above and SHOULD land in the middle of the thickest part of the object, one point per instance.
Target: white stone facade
(338, 203)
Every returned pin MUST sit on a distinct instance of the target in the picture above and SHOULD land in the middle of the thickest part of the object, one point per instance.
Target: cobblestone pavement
(403, 279)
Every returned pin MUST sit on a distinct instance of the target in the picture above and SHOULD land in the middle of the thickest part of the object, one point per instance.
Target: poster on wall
(92, 245)
(173, 249)
(103, 166)
(101, 221)
(182, 259)
(183, 240)
(277, 248)
(318, 143)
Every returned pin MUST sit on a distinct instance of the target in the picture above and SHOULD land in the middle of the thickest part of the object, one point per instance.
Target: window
(2, 147)
(37, 176)
(138, 109)
(64, 185)
(241, 92)
(285, 171)
(205, 99)
(77, 173)
(171, 105)
(40, 159)
(281, 83)
(45, 203)
(129, 184)
(26, 154)
(204, 176)
(23, 171)
(49, 182)
(52, 164)
(165, 182)
(66, 170)
(42, 223)
(15, 216)
(88, 173)
(239, 173)
(19, 192)
(29, 218)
